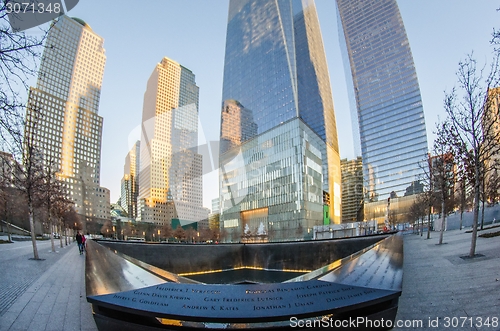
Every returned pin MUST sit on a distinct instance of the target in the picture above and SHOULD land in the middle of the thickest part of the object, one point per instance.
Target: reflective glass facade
(352, 190)
(274, 183)
(389, 109)
(274, 72)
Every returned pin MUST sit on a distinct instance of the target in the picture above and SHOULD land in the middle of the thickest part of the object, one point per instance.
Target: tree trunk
(482, 214)
(32, 230)
(462, 202)
(461, 218)
(483, 182)
(60, 235)
(443, 219)
(52, 243)
(472, 252)
(429, 223)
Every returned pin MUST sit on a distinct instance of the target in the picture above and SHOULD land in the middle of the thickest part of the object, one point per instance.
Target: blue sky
(138, 34)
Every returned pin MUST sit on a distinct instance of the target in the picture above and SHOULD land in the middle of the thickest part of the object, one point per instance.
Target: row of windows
(401, 130)
(264, 177)
(402, 106)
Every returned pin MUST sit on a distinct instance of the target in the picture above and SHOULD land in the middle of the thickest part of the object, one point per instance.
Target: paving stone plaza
(440, 289)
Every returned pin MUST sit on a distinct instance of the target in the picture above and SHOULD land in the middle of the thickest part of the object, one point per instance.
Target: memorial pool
(134, 286)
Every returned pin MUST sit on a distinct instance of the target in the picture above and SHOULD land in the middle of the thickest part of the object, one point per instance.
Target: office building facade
(352, 190)
(388, 112)
(279, 158)
(215, 206)
(69, 131)
(491, 129)
(170, 178)
(490, 120)
(130, 181)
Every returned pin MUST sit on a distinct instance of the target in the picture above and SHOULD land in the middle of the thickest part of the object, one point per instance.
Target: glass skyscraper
(67, 92)
(389, 113)
(279, 156)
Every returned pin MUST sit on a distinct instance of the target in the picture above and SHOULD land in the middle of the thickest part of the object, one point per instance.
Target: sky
(138, 34)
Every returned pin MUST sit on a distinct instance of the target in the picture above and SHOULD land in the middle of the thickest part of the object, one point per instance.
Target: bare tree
(216, 234)
(107, 228)
(473, 117)
(429, 196)
(223, 235)
(179, 233)
(71, 221)
(442, 168)
(47, 195)
(27, 171)
(495, 40)
(19, 53)
(61, 206)
(6, 191)
(127, 230)
(461, 191)
(191, 234)
(418, 211)
(54, 197)
(167, 231)
(206, 234)
(393, 219)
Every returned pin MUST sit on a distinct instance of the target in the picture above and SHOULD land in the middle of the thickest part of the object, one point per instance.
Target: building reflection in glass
(279, 152)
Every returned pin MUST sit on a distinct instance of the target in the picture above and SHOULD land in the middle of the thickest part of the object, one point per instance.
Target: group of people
(80, 240)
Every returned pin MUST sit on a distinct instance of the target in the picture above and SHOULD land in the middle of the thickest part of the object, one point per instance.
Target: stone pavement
(55, 298)
(446, 291)
(15, 280)
(439, 287)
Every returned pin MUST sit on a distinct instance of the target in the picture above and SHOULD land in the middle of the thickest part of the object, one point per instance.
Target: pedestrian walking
(84, 243)
(79, 241)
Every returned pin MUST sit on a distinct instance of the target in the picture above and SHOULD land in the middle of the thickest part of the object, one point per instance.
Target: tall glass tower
(67, 92)
(389, 112)
(279, 156)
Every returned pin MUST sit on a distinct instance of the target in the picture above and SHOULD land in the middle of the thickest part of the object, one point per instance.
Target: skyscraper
(67, 93)
(491, 112)
(279, 157)
(130, 181)
(170, 178)
(352, 190)
(384, 86)
(491, 128)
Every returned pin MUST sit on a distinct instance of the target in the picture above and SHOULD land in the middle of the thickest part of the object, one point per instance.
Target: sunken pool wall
(188, 258)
